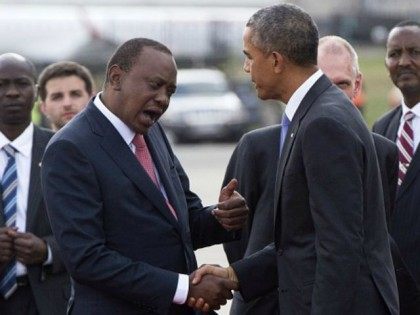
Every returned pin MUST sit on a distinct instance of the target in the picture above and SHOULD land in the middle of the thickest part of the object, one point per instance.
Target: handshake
(210, 287)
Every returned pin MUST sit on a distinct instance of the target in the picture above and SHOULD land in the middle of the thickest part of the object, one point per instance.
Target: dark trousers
(21, 302)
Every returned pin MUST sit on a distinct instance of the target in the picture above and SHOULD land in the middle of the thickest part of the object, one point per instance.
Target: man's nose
(12, 90)
(404, 59)
(67, 102)
(163, 99)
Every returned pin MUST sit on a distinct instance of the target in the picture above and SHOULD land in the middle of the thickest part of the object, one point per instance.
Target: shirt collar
(126, 133)
(415, 109)
(297, 97)
(23, 143)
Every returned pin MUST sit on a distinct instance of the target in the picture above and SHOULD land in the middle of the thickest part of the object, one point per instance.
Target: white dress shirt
(23, 158)
(415, 122)
(127, 134)
(297, 97)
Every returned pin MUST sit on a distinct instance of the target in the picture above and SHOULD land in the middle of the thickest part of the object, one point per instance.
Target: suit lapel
(392, 130)
(35, 193)
(319, 87)
(114, 145)
(284, 157)
(158, 155)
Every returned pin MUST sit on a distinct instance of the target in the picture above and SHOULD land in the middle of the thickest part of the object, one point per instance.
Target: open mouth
(152, 115)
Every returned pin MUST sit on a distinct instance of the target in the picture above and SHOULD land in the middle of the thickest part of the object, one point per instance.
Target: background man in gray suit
(402, 125)
(328, 204)
(32, 277)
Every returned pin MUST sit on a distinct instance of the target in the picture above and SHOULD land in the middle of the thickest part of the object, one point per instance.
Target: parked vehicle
(204, 108)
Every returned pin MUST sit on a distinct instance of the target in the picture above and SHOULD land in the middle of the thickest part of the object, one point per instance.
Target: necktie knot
(9, 150)
(409, 116)
(139, 141)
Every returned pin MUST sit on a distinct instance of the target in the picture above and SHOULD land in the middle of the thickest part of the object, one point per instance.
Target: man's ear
(278, 62)
(115, 74)
(358, 85)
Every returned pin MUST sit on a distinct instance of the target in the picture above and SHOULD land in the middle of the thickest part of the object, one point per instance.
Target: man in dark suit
(330, 253)
(120, 203)
(33, 279)
(251, 164)
(402, 125)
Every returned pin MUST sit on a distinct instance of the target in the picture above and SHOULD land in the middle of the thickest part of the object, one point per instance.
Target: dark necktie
(405, 143)
(8, 283)
(145, 159)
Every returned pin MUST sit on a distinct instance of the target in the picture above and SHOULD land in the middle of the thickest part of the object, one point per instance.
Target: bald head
(16, 59)
(17, 94)
(339, 62)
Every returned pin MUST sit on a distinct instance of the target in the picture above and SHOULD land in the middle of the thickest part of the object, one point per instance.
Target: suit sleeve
(205, 229)
(57, 265)
(257, 274)
(240, 166)
(74, 204)
(333, 158)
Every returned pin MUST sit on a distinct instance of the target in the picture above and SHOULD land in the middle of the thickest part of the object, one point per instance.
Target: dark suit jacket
(120, 242)
(405, 220)
(331, 252)
(408, 291)
(252, 164)
(49, 284)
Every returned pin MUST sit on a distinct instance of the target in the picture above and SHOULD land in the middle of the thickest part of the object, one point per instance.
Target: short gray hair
(287, 29)
(334, 45)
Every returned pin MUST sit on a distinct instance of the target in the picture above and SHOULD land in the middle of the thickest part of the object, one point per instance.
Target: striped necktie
(8, 283)
(143, 156)
(405, 143)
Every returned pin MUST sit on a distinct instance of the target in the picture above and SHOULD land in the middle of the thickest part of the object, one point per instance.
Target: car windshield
(201, 88)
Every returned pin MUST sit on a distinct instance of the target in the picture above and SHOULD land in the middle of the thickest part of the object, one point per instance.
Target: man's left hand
(29, 248)
(232, 211)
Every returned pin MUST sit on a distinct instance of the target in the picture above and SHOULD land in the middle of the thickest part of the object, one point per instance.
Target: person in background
(402, 125)
(65, 88)
(33, 279)
(339, 62)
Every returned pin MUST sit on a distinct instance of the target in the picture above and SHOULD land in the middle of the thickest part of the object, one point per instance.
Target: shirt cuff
(49, 258)
(181, 292)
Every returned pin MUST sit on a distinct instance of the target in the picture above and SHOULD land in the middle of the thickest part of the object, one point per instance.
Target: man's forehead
(15, 68)
(410, 31)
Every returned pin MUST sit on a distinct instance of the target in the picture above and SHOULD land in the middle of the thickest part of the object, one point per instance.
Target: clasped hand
(25, 247)
(210, 287)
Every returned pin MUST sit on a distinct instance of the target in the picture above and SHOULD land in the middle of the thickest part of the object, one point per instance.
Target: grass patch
(376, 82)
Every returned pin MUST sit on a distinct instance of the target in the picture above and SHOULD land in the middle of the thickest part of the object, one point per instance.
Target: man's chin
(407, 87)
